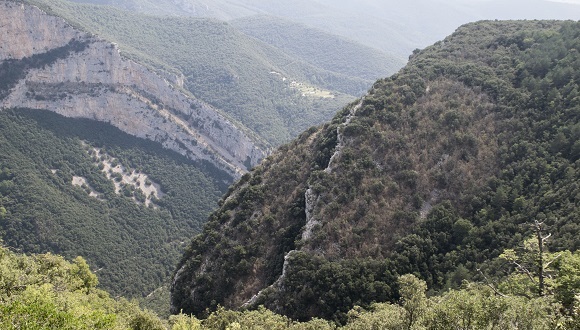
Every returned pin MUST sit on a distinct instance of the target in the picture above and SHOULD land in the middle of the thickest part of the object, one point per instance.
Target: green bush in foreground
(45, 291)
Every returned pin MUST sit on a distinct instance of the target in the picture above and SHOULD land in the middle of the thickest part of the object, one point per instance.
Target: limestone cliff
(47, 64)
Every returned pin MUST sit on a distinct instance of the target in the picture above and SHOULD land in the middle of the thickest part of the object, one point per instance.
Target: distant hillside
(434, 172)
(321, 49)
(401, 26)
(79, 187)
(246, 78)
(391, 26)
(220, 9)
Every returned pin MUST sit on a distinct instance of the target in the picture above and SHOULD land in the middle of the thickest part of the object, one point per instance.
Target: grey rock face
(96, 82)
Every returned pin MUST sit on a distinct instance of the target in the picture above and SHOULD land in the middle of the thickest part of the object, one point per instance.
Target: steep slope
(80, 187)
(78, 75)
(436, 170)
(330, 52)
(275, 95)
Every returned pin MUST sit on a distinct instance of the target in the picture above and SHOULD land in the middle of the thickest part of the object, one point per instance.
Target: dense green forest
(133, 246)
(45, 291)
(437, 172)
(247, 79)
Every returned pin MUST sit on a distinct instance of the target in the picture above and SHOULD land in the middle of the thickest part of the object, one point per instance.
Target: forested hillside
(221, 9)
(89, 186)
(324, 50)
(446, 197)
(270, 92)
(469, 151)
(58, 193)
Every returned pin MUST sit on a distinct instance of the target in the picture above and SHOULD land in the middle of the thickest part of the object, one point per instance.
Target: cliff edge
(47, 64)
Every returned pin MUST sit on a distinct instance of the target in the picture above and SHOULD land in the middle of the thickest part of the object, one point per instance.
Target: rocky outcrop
(78, 75)
(27, 31)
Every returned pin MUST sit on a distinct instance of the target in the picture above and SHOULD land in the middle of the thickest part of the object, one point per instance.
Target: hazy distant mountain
(318, 48)
(401, 26)
(388, 25)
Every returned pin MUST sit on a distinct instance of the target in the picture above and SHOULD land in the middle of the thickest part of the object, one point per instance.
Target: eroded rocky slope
(434, 172)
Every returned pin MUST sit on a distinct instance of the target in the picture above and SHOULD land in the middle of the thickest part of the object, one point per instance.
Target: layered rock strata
(47, 64)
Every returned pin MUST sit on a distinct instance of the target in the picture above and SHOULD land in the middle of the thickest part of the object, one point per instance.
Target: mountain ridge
(440, 166)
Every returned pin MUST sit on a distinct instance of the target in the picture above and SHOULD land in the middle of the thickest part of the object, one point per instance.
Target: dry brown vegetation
(435, 172)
